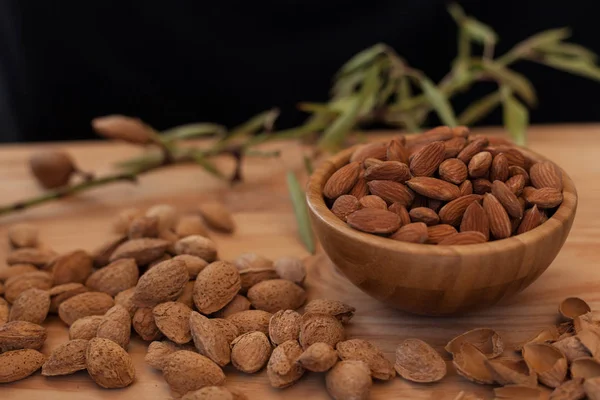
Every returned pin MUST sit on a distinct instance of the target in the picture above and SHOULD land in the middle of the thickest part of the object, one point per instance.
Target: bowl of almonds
(442, 222)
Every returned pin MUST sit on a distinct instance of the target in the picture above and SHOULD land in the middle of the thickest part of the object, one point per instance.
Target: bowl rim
(319, 209)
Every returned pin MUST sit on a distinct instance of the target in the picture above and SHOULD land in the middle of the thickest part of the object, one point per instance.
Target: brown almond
(284, 325)
(454, 146)
(8, 272)
(419, 201)
(101, 255)
(32, 305)
(186, 371)
(439, 133)
(26, 255)
(119, 275)
(427, 160)
(290, 268)
(499, 168)
(475, 219)
(282, 369)
(481, 186)
(452, 213)
(17, 284)
(163, 282)
(251, 276)
(253, 261)
(19, 364)
(370, 162)
(18, 335)
(372, 201)
(461, 131)
(84, 305)
(373, 220)
(108, 364)
(173, 320)
(251, 320)
(543, 198)
(508, 199)
(342, 311)
(514, 156)
(318, 357)
(250, 352)
(349, 380)
(216, 285)
(116, 326)
(342, 180)
(198, 246)
(85, 328)
(516, 184)
(217, 217)
(189, 225)
(237, 304)
(437, 233)
(396, 151)
(167, 216)
(142, 227)
(209, 339)
(434, 204)
(144, 324)
(401, 211)
(66, 359)
(416, 361)
(362, 350)
(463, 238)
(480, 164)
(227, 328)
(391, 192)
(371, 150)
(157, 352)
(500, 226)
(388, 170)
(144, 250)
(345, 205)
(434, 188)
(531, 219)
(124, 218)
(466, 188)
(320, 328)
(425, 215)
(125, 298)
(591, 386)
(516, 170)
(415, 232)
(74, 266)
(276, 294)
(23, 235)
(453, 170)
(60, 293)
(360, 188)
(193, 264)
(474, 147)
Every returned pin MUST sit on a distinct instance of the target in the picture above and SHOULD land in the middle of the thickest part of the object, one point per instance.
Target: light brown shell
(237, 304)
(19, 364)
(250, 352)
(84, 305)
(252, 261)
(28, 255)
(284, 325)
(18, 335)
(547, 361)
(215, 393)
(193, 264)
(116, 277)
(549, 334)
(167, 215)
(227, 328)
(7, 272)
(163, 282)
(124, 217)
(592, 388)
(209, 339)
(143, 250)
(276, 294)
(216, 285)
(4, 311)
(252, 276)
(251, 320)
(572, 348)
(173, 320)
(416, 361)
(518, 392)
(590, 341)
(362, 350)
(585, 367)
(157, 353)
(17, 284)
(282, 368)
(291, 268)
(349, 380)
(23, 235)
(470, 362)
(108, 364)
(101, 255)
(338, 309)
(66, 359)
(32, 305)
(572, 307)
(511, 372)
(318, 357)
(189, 225)
(485, 340)
(217, 217)
(116, 326)
(569, 390)
(144, 325)
(60, 293)
(186, 371)
(142, 227)
(74, 266)
(187, 295)
(85, 328)
(320, 328)
(198, 246)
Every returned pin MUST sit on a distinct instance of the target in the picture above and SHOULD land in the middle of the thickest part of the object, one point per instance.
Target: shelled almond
(433, 178)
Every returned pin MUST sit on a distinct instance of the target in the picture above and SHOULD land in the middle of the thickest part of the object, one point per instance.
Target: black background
(64, 62)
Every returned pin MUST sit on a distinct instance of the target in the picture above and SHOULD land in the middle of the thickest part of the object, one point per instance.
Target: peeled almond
(518, 392)
(547, 361)
(586, 368)
(573, 307)
(417, 361)
(471, 363)
(485, 340)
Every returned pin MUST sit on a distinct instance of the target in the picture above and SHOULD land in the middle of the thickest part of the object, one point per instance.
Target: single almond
(250, 352)
(284, 325)
(32, 305)
(198, 246)
(157, 352)
(193, 264)
(277, 294)
(391, 192)
(481, 186)
(466, 188)
(338, 309)
(439, 133)
(454, 146)
(173, 319)
(23, 235)
(513, 155)
(189, 225)
(84, 305)
(434, 188)
(396, 151)
(371, 150)
(209, 339)
(373, 220)
(18, 335)
(417, 361)
(437, 233)
(500, 225)
(349, 380)
(142, 227)
(531, 219)
(282, 368)
(144, 250)
(66, 359)
(388, 170)
(479, 164)
(85, 328)
(516, 184)
(237, 304)
(360, 188)
(461, 131)
(251, 320)
(475, 219)
(474, 147)
(452, 213)
(215, 286)
(516, 170)
(415, 232)
(27, 255)
(499, 168)
(318, 357)
(464, 238)
(74, 266)
(425, 215)
(163, 282)
(101, 255)
(428, 159)
(400, 210)
(342, 180)
(121, 223)
(290, 268)
(19, 364)
(453, 170)
(116, 326)
(108, 364)
(227, 328)
(544, 198)
(372, 201)
(119, 275)
(217, 217)
(345, 205)
(508, 199)
(17, 284)
(144, 324)
(60, 293)
(167, 216)
(320, 328)
(362, 350)
(186, 371)
(251, 276)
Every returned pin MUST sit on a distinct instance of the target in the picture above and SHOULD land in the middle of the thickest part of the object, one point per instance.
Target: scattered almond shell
(485, 340)
(585, 367)
(470, 363)
(362, 350)
(547, 361)
(573, 307)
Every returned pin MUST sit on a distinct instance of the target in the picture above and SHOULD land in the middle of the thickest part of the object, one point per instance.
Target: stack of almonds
(444, 187)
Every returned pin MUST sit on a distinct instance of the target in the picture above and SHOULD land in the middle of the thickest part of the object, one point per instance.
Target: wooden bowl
(437, 280)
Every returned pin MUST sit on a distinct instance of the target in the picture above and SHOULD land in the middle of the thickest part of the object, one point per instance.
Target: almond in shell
(125, 298)
(186, 371)
(342, 180)
(320, 328)
(362, 350)
(119, 275)
(32, 305)
(318, 357)
(276, 294)
(142, 227)
(144, 325)
(167, 216)
(215, 393)
(198, 246)
(4, 311)
(284, 325)
(23, 235)
(251, 320)
(116, 326)
(66, 359)
(215, 286)
(217, 217)
(291, 269)
(250, 352)
(60, 293)
(336, 308)
(237, 304)
(163, 282)
(173, 319)
(18, 335)
(189, 225)
(27, 255)
(85, 328)
(8, 272)
(101, 255)
(416, 361)
(282, 368)
(209, 339)
(349, 380)
(193, 264)
(143, 250)
(17, 284)
(108, 364)
(84, 305)
(19, 364)
(157, 352)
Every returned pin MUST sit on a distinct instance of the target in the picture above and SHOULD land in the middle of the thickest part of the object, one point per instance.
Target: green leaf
(189, 131)
(347, 84)
(479, 108)
(308, 165)
(543, 38)
(404, 90)
(479, 31)
(575, 66)
(301, 211)
(457, 13)
(438, 101)
(517, 82)
(362, 59)
(264, 120)
(209, 166)
(516, 117)
(317, 108)
(569, 50)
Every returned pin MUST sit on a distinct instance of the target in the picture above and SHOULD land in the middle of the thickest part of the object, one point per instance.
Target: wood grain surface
(266, 225)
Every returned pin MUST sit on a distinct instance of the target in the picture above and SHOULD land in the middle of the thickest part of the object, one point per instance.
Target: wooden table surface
(266, 225)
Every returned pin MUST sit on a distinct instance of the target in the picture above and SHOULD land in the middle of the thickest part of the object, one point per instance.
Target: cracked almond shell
(573, 307)
(417, 361)
(282, 368)
(362, 350)
(470, 363)
(486, 340)
(547, 361)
